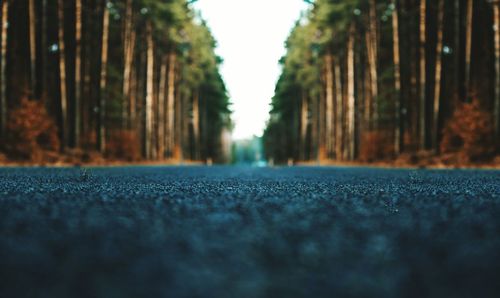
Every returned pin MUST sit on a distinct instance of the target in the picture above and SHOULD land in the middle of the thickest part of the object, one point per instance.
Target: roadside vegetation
(98, 80)
(399, 81)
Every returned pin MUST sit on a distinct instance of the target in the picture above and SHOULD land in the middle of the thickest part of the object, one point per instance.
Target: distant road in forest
(249, 232)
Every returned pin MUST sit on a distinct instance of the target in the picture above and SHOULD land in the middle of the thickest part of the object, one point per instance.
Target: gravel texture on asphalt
(249, 232)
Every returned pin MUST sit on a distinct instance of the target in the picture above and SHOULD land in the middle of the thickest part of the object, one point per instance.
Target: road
(249, 232)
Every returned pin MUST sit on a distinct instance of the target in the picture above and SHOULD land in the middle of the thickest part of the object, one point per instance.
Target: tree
(3, 67)
(78, 71)
(351, 97)
(372, 47)
(468, 46)
(380, 78)
(162, 108)
(44, 51)
(457, 49)
(423, 73)
(32, 29)
(101, 133)
(172, 61)
(196, 125)
(149, 90)
(96, 92)
(329, 100)
(437, 80)
(304, 122)
(128, 56)
(398, 132)
(339, 110)
(496, 32)
(62, 74)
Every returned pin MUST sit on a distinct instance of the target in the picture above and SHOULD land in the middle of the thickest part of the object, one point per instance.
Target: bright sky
(250, 36)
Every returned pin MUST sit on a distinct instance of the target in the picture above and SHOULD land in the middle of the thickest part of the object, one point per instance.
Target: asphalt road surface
(249, 232)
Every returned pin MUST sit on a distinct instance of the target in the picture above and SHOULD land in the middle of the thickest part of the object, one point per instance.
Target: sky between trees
(251, 37)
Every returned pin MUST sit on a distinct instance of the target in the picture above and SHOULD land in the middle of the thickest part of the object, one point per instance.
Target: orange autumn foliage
(30, 132)
(375, 146)
(469, 133)
(124, 145)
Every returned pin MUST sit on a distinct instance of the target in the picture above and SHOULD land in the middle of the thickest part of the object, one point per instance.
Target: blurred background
(402, 82)
(410, 81)
(95, 81)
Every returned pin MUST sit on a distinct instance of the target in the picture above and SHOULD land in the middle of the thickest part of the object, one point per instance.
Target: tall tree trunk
(374, 28)
(468, 47)
(140, 92)
(3, 66)
(177, 130)
(44, 52)
(373, 89)
(304, 115)
(398, 133)
(131, 96)
(330, 141)
(203, 129)
(339, 111)
(196, 124)
(87, 105)
(368, 109)
(296, 143)
(314, 128)
(62, 75)
(128, 54)
(103, 80)
(132, 103)
(351, 100)
(154, 106)
(372, 46)
(170, 102)
(413, 72)
(32, 29)
(345, 111)
(161, 107)
(322, 141)
(423, 75)
(78, 70)
(149, 90)
(185, 132)
(438, 69)
(359, 92)
(457, 54)
(496, 21)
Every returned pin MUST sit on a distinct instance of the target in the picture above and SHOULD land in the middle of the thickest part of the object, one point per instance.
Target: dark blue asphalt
(249, 232)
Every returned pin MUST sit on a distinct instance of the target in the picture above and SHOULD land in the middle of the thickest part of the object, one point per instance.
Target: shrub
(469, 133)
(30, 132)
(89, 140)
(376, 145)
(124, 145)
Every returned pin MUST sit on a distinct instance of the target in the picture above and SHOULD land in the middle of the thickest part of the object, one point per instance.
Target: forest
(130, 80)
(399, 80)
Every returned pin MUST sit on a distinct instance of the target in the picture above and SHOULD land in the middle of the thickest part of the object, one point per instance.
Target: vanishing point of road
(249, 232)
